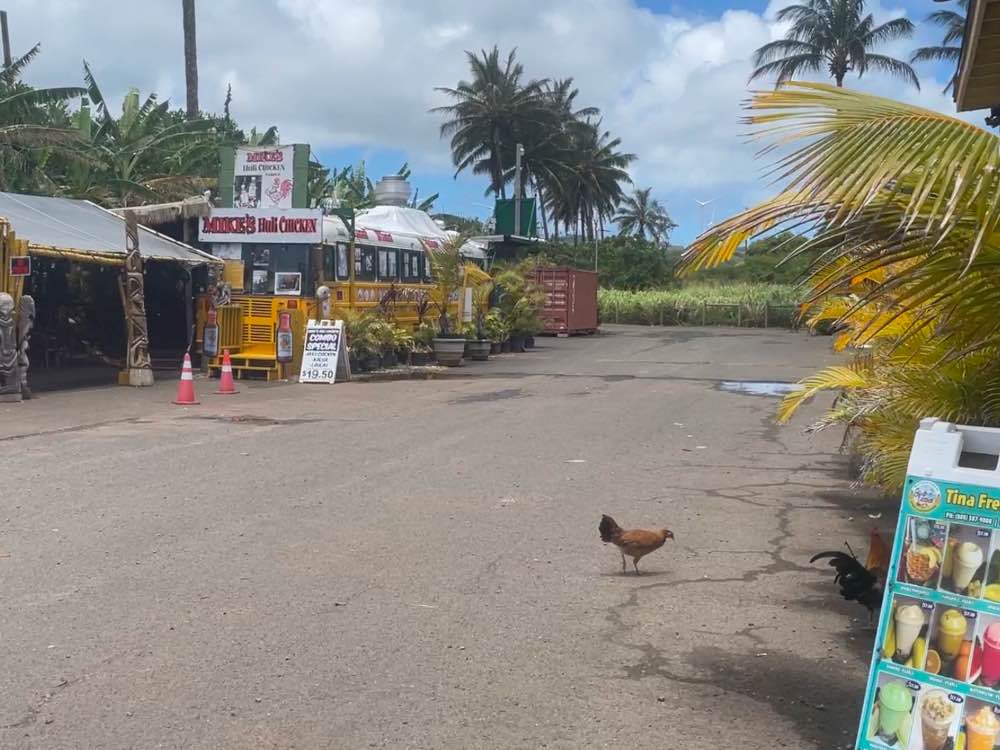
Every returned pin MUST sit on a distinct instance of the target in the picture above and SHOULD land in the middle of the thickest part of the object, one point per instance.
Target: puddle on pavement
(477, 398)
(759, 387)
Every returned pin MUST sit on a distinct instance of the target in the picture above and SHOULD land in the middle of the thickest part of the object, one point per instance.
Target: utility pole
(5, 35)
(518, 153)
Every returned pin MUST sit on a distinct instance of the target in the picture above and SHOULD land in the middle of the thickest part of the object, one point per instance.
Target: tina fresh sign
(934, 682)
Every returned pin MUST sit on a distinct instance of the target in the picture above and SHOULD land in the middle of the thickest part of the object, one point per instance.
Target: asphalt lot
(416, 564)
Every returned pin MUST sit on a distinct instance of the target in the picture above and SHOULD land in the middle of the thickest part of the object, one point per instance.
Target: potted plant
(362, 346)
(496, 330)
(520, 303)
(422, 352)
(448, 273)
(403, 344)
(383, 334)
(478, 348)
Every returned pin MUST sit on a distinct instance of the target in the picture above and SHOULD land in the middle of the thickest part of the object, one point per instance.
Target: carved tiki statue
(10, 377)
(25, 322)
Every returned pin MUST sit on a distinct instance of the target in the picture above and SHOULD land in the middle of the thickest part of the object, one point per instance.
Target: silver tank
(392, 190)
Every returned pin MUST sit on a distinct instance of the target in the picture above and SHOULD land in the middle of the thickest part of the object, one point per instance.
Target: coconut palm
(588, 185)
(190, 59)
(832, 36)
(904, 204)
(950, 49)
(488, 114)
(642, 215)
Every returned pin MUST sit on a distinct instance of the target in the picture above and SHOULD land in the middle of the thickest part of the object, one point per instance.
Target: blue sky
(356, 80)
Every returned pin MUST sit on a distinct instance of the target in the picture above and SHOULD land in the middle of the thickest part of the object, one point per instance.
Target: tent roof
(400, 220)
(58, 226)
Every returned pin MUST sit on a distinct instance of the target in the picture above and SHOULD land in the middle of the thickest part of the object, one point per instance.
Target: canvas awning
(82, 231)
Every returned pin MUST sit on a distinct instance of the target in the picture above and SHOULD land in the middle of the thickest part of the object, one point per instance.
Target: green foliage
(772, 260)
(622, 262)
(496, 327)
(686, 305)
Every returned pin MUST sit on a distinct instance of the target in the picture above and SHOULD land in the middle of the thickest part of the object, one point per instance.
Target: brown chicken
(636, 543)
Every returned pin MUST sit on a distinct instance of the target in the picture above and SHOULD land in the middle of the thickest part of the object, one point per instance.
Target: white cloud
(342, 73)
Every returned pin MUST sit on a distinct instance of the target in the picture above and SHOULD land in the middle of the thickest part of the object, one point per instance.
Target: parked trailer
(570, 300)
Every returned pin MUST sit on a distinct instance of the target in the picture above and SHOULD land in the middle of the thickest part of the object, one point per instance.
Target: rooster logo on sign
(279, 190)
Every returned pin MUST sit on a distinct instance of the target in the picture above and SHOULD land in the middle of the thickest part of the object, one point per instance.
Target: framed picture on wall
(259, 282)
(261, 257)
(288, 284)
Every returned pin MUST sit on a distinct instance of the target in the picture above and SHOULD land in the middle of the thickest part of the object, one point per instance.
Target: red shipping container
(570, 299)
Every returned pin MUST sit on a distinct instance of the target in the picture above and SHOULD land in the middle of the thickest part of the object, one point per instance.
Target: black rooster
(857, 582)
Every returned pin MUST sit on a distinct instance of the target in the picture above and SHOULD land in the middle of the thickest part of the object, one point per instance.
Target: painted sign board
(232, 225)
(934, 681)
(320, 351)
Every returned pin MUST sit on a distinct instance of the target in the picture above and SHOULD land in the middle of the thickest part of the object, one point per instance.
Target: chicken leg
(624, 569)
(635, 564)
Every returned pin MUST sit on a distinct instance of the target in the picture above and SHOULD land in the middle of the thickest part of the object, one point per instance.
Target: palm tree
(640, 214)
(588, 185)
(835, 36)
(190, 60)
(950, 49)
(488, 113)
(904, 204)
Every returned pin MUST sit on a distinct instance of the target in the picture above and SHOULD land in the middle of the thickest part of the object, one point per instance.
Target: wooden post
(704, 313)
(739, 315)
(138, 368)
(5, 36)
(767, 308)
(661, 315)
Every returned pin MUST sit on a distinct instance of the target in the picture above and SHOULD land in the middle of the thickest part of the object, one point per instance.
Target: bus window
(364, 263)
(387, 265)
(343, 274)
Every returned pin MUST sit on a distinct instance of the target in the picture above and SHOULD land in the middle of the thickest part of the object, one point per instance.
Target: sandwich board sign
(321, 350)
(934, 681)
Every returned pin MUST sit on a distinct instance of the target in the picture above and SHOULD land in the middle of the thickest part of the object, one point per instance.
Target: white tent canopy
(398, 227)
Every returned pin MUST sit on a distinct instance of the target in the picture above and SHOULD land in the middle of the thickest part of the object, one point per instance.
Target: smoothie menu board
(935, 677)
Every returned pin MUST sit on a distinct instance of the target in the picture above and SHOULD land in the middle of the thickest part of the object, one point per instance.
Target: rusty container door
(570, 300)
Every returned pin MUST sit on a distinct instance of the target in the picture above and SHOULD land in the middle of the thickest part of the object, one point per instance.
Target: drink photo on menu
(922, 552)
(952, 630)
(906, 636)
(936, 720)
(964, 567)
(891, 721)
(980, 727)
(984, 667)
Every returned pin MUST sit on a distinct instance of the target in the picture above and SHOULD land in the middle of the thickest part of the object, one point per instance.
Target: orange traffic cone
(185, 389)
(226, 385)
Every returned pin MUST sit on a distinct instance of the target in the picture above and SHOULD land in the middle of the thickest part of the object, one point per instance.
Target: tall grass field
(695, 304)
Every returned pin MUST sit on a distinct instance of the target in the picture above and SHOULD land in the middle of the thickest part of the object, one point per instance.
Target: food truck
(277, 256)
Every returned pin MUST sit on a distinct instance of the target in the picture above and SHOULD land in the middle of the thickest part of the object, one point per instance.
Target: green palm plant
(488, 113)
(950, 49)
(833, 36)
(143, 154)
(904, 205)
(642, 215)
(34, 125)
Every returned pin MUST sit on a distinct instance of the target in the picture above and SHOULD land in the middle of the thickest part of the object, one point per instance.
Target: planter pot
(418, 359)
(478, 351)
(494, 347)
(370, 363)
(390, 359)
(529, 342)
(517, 344)
(505, 346)
(449, 351)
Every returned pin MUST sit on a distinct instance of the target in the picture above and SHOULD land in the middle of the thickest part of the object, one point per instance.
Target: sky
(356, 79)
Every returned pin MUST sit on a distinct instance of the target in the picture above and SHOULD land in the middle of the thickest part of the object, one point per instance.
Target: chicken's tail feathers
(609, 529)
(835, 557)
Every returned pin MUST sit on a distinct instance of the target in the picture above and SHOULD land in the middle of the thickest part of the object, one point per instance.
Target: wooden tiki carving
(25, 323)
(10, 380)
(137, 362)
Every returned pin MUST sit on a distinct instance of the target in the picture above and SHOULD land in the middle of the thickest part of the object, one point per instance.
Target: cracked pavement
(416, 564)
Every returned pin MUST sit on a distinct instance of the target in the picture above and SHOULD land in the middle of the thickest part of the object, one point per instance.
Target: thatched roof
(157, 214)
